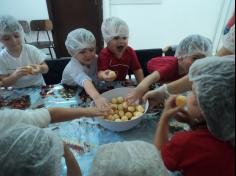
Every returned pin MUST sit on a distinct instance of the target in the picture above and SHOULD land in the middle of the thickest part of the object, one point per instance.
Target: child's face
(194, 110)
(11, 41)
(118, 45)
(86, 56)
(186, 62)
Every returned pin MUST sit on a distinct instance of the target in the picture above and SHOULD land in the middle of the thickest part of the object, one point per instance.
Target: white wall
(24, 9)
(158, 25)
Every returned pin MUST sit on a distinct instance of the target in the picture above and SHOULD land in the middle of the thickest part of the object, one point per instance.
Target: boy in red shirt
(208, 148)
(117, 56)
(167, 69)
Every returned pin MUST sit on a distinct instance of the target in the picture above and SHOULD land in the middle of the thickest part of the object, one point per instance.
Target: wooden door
(68, 15)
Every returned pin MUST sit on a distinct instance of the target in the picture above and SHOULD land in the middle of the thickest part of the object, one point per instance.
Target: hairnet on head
(229, 40)
(28, 150)
(113, 27)
(134, 158)
(194, 45)
(214, 82)
(9, 25)
(79, 39)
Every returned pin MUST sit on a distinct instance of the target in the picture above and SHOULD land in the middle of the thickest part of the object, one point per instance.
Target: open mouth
(120, 48)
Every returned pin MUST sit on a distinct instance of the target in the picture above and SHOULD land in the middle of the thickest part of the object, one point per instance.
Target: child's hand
(36, 69)
(135, 95)
(109, 75)
(95, 112)
(20, 72)
(156, 98)
(170, 109)
(101, 103)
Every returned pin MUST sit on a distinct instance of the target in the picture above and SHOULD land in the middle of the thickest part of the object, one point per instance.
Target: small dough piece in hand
(180, 101)
(30, 69)
(112, 75)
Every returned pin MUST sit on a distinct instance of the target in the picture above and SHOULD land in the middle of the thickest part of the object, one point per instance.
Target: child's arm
(71, 163)
(162, 132)
(143, 87)
(179, 86)
(8, 80)
(66, 114)
(139, 75)
(99, 100)
(39, 68)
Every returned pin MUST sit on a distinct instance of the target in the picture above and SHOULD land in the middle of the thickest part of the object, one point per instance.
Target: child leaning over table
(167, 69)
(82, 69)
(208, 148)
(21, 140)
(21, 65)
(117, 56)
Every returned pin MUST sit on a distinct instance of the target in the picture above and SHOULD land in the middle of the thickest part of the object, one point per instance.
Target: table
(84, 135)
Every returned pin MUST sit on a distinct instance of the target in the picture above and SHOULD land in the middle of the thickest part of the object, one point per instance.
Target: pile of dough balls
(121, 111)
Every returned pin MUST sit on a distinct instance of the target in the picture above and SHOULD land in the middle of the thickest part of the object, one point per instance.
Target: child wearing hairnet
(27, 150)
(117, 58)
(183, 84)
(21, 65)
(208, 148)
(82, 69)
(166, 69)
(133, 158)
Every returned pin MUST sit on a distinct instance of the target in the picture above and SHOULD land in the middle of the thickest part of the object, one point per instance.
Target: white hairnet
(229, 40)
(28, 150)
(113, 27)
(79, 39)
(194, 45)
(214, 81)
(9, 25)
(134, 158)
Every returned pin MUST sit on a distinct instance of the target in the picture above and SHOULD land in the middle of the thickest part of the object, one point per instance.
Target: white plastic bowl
(119, 126)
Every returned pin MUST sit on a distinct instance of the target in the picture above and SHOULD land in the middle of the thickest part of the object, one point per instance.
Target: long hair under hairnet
(113, 27)
(9, 25)
(79, 39)
(194, 45)
(214, 81)
(28, 150)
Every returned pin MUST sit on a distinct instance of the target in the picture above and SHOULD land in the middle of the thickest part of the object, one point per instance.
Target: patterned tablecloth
(83, 135)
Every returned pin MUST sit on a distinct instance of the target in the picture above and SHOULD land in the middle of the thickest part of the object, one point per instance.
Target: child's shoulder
(192, 135)
(29, 47)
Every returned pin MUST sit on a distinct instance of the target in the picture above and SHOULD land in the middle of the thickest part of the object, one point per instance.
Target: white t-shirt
(229, 40)
(9, 117)
(76, 74)
(29, 55)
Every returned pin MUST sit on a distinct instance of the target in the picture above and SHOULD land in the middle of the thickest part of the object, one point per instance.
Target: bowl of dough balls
(122, 115)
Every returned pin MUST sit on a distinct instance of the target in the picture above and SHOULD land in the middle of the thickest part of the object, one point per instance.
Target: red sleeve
(103, 60)
(166, 66)
(173, 151)
(135, 65)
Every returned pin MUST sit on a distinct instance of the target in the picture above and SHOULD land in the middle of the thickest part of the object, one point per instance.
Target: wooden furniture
(42, 27)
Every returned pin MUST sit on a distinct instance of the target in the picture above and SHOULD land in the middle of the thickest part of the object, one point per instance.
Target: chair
(144, 55)
(42, 26)
(56, 68)
(26, 28)
(170, 52)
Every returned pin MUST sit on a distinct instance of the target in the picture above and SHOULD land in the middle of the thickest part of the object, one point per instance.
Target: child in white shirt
(82, 69)
(21, 65)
